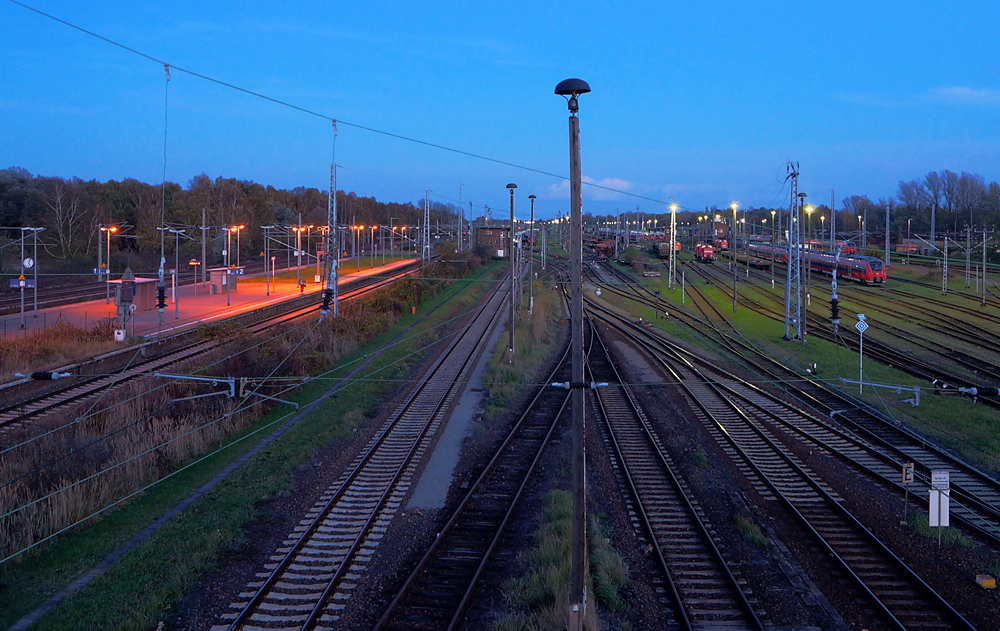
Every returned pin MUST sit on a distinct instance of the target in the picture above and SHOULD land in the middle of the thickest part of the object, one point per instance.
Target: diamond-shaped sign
(861, 326)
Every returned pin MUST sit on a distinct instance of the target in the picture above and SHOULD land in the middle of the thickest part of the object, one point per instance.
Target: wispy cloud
(960, 95)
(597, 192)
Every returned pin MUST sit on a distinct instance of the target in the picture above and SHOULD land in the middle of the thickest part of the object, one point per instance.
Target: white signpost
(861, 326)
(939, 494)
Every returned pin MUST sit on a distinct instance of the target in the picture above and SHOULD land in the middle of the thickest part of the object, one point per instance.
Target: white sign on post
(938, 513)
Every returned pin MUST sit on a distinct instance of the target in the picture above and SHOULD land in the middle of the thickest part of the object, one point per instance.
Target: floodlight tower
(571, 89)
(673, 245)
(510, 255)
(531, 252)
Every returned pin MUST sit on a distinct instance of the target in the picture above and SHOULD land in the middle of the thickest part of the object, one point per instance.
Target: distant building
(494, 240)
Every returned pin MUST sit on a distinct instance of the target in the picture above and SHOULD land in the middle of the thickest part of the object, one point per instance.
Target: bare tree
(934, 189)
(65, 215)
(949, 188)
(913, 194)
(969, 194)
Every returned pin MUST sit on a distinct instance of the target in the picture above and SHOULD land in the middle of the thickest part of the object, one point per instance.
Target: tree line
(72, 211)
(939, 202)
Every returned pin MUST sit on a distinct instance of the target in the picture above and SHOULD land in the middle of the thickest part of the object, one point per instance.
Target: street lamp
(510, 247)
(267, 247)
(531, 252)
(822, 226)
(673, 245)
(239, 229)
(298, 253)
(910, 243)
(774, 230)
(571, 89)
(110, 230)
(732, 252)
(373, 245)
(808, 251)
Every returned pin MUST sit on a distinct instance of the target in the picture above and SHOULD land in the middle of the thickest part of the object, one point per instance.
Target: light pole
(774, 229)
(177, 269)
(909, 244)
(732, 252)
(571, 88)
(239, 229)
(358, 250)
(323, 230)
(267, 257)
(373, 245)
(510, 253)
(673, 245)
(34, 265)
(531, 253)
(110, 230)
(822, 226)
(298, 254)
(809, 217)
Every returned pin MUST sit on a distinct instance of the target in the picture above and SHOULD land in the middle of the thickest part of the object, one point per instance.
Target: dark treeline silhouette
(72, 210)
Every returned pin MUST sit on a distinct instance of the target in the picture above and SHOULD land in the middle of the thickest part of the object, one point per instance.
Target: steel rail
(684, 605)
(369, 456)
(831, 504)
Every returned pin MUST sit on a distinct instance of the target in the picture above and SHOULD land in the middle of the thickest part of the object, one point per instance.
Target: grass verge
(540, 599)
(535, 339)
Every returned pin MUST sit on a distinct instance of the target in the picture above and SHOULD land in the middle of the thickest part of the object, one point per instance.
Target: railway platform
(196, 305)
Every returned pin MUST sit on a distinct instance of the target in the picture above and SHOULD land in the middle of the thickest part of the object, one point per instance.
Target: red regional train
(863, 269)
(846, 247)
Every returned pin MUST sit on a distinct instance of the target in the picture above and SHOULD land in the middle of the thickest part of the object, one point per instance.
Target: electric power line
(334, 119)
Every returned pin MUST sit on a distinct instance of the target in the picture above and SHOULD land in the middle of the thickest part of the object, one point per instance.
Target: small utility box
(221, 277)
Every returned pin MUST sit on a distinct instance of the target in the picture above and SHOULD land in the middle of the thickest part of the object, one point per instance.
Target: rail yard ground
(195, 567)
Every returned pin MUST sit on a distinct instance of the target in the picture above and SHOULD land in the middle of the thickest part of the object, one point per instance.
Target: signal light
(161, 299)
(327, 298)
(834, 310)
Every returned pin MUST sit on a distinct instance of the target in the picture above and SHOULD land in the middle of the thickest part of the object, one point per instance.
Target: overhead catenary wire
(340, 121)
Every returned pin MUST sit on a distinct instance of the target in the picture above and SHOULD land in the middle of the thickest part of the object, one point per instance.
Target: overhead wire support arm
(915, 401)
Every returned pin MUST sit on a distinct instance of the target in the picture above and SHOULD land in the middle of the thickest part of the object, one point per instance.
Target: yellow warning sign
(21, 277)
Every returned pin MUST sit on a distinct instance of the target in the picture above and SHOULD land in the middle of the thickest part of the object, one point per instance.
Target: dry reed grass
(135, 435)
(54, 346)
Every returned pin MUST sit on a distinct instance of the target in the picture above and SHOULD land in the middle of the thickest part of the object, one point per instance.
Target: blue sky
(698, 102)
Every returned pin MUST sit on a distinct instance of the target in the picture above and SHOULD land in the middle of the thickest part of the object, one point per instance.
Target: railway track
(309, 580)
(705, 592)
(82, 389)
(884, 442)
(905, 362)
(901, 599)
(437, 592)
